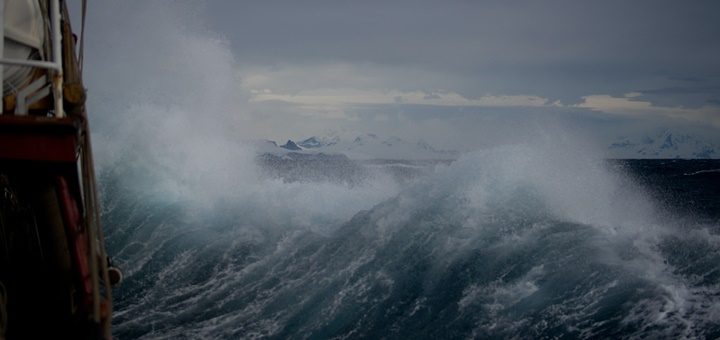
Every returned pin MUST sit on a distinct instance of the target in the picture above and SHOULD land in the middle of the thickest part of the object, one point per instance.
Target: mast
(46, 168)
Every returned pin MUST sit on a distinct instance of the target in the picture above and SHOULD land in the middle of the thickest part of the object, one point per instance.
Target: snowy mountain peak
(665, 144)
(310, 143)
(318, 142)
(369, 146)
(668, 143)
(290, 145)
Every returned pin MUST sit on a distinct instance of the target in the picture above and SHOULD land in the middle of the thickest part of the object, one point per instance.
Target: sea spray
(499, 243)
(539, 239)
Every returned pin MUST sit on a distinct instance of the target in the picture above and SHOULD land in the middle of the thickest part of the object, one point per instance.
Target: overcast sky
(452, 72)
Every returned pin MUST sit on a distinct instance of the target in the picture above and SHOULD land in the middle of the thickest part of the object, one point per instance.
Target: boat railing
(39, 88)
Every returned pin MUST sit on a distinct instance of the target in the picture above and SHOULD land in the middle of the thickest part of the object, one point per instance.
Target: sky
(458, 74)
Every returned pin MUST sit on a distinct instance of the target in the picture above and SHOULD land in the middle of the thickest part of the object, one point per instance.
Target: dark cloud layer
(558, 49)
(455, 73)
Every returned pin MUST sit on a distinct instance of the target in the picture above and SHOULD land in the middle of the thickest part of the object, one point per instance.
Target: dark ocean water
(688, 187)
(505, 243)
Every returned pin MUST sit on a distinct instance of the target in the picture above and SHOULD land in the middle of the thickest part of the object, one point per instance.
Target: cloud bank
(459, 74)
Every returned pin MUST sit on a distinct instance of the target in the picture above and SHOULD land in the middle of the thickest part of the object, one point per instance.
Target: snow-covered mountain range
(368, 146)
(665, 144)
(349, 160)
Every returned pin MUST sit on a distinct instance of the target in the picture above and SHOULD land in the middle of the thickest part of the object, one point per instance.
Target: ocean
(512, 242)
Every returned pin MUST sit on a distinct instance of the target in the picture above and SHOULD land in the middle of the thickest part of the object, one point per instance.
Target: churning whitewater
(515, 241)
(541, 239)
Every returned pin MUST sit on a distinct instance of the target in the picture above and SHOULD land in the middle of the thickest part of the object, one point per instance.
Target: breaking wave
(513, 242)
(509, 242)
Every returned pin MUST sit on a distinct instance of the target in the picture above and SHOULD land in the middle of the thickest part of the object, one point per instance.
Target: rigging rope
(82, 37)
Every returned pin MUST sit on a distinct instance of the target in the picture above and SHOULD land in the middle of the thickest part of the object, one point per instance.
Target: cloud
(335, 86)
(352, 97)
(712, 89)
(453, 69)
(630, 105)
(556, 49)
(616, 105)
